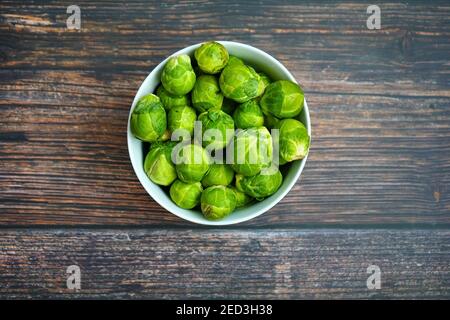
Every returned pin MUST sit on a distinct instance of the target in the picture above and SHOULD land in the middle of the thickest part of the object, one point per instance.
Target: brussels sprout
(192, 163)
(242, 198)
(169, 101)
(282, 99)
(218, 174)
(239, 82)
(158, 163)
(228, 106)
(234, 60)
(148, 120)
(293, 139)
(182, 117)
(252, 150)
(265, 79)
(261, 185)
(211, 57)
(217, 202)
(206, 94)
(270, 121)
(248, 114)
(215, 124)
(178, 77)
(186, 195)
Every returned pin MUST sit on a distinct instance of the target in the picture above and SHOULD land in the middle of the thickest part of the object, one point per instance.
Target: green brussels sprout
(186, 195)
(215, 124)
(169, 101)
(148, 120)
(158, 163)
(234, 60)
(265, 79)
(217, 202)
(211, 57)
(192, 163)
(242, 199)
(206, 94)
(228, 106)
(282, 99)
(293, 139)
(248, 114)
(270, 121)
(260, 186)
(252, 150)
(178, 77)
(182, 117)
(239, 82)
(218, 174)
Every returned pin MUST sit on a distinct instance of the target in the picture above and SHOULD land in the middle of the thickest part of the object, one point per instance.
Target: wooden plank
(379, 107)
(225, 263)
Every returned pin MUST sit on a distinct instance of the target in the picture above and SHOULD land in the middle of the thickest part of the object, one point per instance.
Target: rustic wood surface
(380, 154)
(225, 263)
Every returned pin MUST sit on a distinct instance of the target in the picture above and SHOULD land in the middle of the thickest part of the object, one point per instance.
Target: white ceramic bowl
(262, 62)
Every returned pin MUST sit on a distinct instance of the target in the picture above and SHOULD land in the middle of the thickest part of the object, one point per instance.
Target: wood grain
(380, 156)
(229, 264)
(379, 103)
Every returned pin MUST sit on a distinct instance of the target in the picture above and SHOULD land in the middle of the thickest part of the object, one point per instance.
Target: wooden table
(375, 189)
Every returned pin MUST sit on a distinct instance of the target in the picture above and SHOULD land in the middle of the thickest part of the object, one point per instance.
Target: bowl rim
(273, 201)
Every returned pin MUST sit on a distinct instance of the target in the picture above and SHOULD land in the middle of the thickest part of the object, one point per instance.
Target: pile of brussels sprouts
(225, 95)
